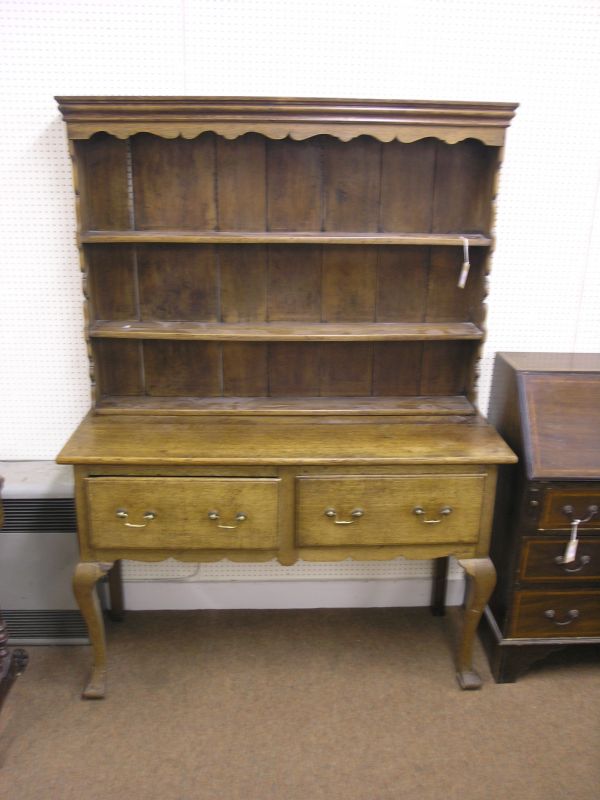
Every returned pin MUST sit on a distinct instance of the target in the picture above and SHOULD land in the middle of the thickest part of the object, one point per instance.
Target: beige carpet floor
(297, 705)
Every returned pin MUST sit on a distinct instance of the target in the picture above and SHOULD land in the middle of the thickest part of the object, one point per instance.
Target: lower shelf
(451, 405)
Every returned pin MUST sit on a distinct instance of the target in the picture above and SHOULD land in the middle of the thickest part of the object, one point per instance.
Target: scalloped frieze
(279, 118)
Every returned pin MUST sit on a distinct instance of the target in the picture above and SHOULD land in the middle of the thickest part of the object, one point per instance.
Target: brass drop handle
(356, 514)
(569, 511)
(148, 516)
(240, 517)
(420, 512)
(570, 616)
(583, 562)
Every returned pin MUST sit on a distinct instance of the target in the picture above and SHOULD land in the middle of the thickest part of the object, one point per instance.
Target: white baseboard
(171, 595)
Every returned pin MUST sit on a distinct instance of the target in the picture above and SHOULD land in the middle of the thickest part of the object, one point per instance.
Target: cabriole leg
(481, 578)
(84, 586)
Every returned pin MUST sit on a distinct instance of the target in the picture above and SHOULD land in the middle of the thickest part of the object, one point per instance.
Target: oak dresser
(285, 309)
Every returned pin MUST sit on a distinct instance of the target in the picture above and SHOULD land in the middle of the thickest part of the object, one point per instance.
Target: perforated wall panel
(545, 284)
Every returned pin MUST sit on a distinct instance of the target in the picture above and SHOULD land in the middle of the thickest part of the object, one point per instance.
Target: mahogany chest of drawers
(546, 534)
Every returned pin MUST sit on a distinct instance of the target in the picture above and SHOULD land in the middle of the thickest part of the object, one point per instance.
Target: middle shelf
(286, 331)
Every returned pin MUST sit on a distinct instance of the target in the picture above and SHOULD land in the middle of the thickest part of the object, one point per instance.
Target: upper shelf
(276, 118)
(286, 331)
(279, 237)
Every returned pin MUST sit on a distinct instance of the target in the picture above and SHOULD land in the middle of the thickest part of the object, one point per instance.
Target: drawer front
(183, 513)
(539, 562)
(580, 500)
(380, 510)
(556, 614)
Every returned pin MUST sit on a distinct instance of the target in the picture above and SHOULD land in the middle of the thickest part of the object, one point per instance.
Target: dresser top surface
(279, 441)
(552, 362)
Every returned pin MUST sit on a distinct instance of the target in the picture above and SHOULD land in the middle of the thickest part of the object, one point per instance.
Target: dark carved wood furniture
(12, 662)
(547, 406)
(284, 334)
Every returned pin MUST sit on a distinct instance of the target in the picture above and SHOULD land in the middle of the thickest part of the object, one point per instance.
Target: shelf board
(279, 237)
(286, 331)
(292, 406)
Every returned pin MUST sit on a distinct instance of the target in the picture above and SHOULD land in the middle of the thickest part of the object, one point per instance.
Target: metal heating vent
(38, 552)
(45, 627)
(42, 515)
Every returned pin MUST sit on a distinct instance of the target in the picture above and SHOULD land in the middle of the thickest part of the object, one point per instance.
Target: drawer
(556, 614)
(183, 513)
(380, 510)
(553, 516)
(538, 561)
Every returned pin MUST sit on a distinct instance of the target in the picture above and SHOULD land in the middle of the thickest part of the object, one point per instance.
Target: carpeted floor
(297, 705)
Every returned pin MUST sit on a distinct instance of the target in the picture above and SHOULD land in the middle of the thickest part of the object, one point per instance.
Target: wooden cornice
(277, 118)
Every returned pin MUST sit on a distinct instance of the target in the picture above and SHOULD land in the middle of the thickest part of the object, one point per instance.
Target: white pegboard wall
(544, 288)
(172, 570)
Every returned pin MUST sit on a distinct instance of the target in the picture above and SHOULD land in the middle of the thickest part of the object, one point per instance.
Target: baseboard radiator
(38, 550)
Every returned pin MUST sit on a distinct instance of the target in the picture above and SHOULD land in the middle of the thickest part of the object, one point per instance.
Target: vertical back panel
(111, 276)
(407, 176)
(294, 369)
(118, 367)
(349, 283)
(294, 283)
(346, 369)
(446, 302)
(102, 161)
(397, 368)
(190, 369)
(352, 184)
(463, 187)
(245, 369)
(174, 182)
(177, 282)
(243, 278)
(294, 185)
(446, 367)
(241, 183)
(402, 283)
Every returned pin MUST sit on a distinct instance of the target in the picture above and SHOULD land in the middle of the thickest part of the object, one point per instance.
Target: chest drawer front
(539, 560)
(556, 614)
(382, 510)
(185, 513)
(580, 500)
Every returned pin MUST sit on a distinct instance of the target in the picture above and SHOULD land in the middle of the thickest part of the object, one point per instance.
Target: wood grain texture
(118, 367)
(397, 368)
(279, 117)
(174, 182)
(182, 368)
(102, 177)
(407, 182)
(180, 440)
(181, 507)
(294, 369)
(351, 184)
(346, 369)
(241, 183)
(243, 281)
(419, 408)
(287, 331)
(349, 284)
(177, 282)
(294, 186)
(294, 284)
(308, 237)
(245, 369)
(111, 282)
(387, 505)
(402, 284)
(531, 620)
(463, 187)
